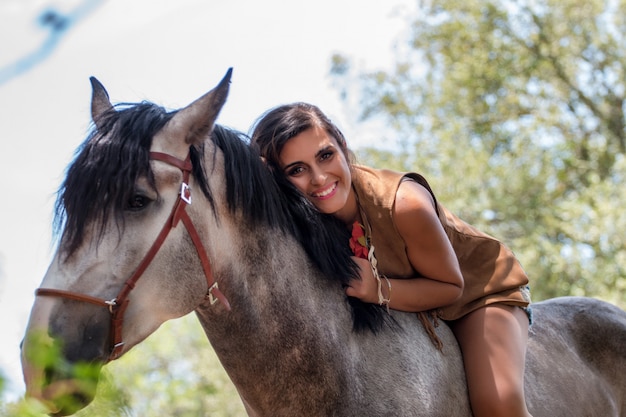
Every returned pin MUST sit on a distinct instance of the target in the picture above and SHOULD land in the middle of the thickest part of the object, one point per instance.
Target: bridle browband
(117, 306)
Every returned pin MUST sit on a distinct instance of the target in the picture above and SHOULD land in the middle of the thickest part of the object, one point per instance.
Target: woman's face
(316, 165)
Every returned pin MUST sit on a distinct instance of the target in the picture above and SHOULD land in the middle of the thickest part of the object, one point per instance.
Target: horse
(135, 250)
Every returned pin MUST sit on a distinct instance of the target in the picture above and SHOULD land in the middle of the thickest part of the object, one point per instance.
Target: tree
(515, 112)
(174, 372)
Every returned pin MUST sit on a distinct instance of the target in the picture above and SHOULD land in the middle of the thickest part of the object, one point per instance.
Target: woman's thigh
(493, 342)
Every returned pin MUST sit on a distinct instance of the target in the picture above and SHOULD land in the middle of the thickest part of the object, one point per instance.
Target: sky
(170, 53)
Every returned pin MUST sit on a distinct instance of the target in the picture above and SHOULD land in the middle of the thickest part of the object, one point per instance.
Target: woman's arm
(429, 252)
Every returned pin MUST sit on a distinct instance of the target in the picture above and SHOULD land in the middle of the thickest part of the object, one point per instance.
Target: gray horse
(136, 250)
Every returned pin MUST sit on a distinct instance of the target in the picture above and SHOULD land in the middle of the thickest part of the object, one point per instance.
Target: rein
(117, 306)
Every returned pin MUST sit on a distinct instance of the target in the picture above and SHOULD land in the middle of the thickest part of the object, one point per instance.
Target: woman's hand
(365, 289)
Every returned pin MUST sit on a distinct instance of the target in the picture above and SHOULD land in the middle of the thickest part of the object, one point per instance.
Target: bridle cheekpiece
(117, 306)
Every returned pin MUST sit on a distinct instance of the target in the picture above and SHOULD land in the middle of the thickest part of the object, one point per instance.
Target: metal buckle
(185, 193)
(209, 293)
(116, 351)
(111, 303)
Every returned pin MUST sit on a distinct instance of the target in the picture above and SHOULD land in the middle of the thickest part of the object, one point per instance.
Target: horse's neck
(288, 344)
(271, 283)
(284, 318)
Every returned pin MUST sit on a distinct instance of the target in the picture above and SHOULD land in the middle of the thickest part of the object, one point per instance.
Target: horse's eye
(137, 202)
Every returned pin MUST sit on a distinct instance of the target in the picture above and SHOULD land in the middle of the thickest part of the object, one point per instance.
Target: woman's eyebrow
(317, 154)
(286, 167)
(324, 149)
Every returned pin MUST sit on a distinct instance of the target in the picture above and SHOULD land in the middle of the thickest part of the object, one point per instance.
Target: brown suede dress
(490, 271)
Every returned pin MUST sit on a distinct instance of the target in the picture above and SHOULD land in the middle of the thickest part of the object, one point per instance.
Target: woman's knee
(505, 404)
(507, 400)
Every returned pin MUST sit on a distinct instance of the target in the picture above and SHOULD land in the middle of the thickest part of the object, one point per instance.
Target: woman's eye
(326, 155)
(137, 202)
(295, 171)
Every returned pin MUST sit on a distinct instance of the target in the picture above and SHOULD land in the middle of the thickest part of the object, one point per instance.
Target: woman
(413, 254)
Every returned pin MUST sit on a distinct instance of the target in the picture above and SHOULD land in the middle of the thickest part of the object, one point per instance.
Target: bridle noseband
(117, 306)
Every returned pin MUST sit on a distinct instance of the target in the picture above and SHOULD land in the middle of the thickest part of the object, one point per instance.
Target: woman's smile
(326, 192)
(316, 165)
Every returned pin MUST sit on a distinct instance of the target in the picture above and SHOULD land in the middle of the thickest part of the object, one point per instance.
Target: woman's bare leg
(493, 342)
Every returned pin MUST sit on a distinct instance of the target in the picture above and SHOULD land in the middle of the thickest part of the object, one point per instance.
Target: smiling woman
(324, 176)
(438, 265)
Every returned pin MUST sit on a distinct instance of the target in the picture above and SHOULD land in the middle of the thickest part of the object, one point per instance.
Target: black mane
(100, 181)
(273, 199)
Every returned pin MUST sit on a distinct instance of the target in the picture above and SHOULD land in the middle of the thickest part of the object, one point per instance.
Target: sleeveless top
(491, 273)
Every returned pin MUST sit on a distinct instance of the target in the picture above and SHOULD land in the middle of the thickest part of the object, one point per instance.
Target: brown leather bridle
(117, 306)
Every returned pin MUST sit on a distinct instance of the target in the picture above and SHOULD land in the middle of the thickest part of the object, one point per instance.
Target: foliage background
(514, 110)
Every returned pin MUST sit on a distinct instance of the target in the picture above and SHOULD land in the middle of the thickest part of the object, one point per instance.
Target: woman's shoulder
(415, 214)
(412, 196)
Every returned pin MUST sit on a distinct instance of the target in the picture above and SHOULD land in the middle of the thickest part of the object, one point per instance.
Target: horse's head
(126, 260)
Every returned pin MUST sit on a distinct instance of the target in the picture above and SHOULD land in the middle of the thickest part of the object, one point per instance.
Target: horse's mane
(100, 182)
(101, 178)
(251, 185)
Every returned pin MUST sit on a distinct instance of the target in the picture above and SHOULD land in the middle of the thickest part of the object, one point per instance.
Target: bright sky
(168, 52)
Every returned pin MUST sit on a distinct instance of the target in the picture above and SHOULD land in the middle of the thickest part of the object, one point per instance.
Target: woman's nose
(318, 177)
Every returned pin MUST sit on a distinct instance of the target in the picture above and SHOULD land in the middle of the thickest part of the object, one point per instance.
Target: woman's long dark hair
(269, 135)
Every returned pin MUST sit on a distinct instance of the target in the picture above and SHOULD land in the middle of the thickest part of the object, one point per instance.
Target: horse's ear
(196, 121)
(100, 103)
